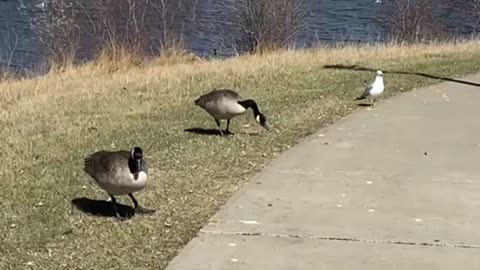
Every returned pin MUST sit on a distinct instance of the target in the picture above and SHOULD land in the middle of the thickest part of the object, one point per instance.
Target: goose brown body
(111, 172)
(226, 104)
(221, 104)
(119, 173)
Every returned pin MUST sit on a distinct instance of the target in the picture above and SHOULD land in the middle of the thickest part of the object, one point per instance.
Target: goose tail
(87, 164)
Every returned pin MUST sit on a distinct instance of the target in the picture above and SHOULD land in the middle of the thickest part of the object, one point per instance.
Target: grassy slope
(51, 123)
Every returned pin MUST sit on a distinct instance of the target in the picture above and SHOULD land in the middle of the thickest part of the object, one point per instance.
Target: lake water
(210, 28)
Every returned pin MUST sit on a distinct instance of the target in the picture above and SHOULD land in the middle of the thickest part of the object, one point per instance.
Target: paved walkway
(394, 187)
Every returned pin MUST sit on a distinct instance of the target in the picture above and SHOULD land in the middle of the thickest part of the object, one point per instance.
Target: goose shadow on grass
(216, 132)
(102, 208)
(362, 68)
(364, 105)
(204, 131)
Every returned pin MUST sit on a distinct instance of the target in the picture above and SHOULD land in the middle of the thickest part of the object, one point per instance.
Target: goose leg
(219, 127)
(228, 125)
(139, 208)
(114, 203)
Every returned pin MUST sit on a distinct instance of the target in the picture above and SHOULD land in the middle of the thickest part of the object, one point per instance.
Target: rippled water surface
(327, 21)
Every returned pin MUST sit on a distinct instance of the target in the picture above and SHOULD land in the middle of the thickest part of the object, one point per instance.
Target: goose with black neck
(225, 104)
(119, 173)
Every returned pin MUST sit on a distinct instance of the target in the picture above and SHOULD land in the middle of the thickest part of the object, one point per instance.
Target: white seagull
(373, 90)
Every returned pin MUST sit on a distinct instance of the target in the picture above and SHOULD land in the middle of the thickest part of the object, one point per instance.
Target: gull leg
(370, 100)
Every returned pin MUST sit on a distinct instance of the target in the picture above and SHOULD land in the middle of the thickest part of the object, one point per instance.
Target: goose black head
(137, 157)
(262, 120)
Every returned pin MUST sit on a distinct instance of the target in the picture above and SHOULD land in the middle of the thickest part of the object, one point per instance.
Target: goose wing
(216, 95)
(103, 162)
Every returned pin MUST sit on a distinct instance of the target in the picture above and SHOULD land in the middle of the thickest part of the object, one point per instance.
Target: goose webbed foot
(140, 209)
(120, 218)
(228, 126)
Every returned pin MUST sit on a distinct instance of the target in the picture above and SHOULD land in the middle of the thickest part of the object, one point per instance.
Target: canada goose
(373, 90)
(226, 104)
(119, 173)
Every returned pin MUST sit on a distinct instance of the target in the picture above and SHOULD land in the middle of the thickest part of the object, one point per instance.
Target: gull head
(379, 73)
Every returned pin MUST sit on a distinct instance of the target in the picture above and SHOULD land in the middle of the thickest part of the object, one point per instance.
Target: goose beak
(262, 121)
(265, 126)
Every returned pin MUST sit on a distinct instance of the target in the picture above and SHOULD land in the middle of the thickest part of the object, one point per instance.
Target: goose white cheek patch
(258, 118)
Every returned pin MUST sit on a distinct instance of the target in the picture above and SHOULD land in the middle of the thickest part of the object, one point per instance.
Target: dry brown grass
(118, 58)
(50, 123)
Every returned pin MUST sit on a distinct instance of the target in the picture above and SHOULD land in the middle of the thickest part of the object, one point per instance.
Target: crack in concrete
(343, 239)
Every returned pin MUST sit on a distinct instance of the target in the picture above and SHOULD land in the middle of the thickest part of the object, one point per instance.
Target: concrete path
(394, 187)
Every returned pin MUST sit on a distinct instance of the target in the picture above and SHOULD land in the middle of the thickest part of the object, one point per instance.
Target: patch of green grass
(50, 124)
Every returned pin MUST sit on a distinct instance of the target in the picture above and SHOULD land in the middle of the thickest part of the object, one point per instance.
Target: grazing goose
(226, 104)
(119, 173)
(373, 90)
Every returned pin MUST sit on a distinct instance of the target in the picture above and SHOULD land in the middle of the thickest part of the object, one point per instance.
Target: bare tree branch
(411, 21)
(268, 24)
